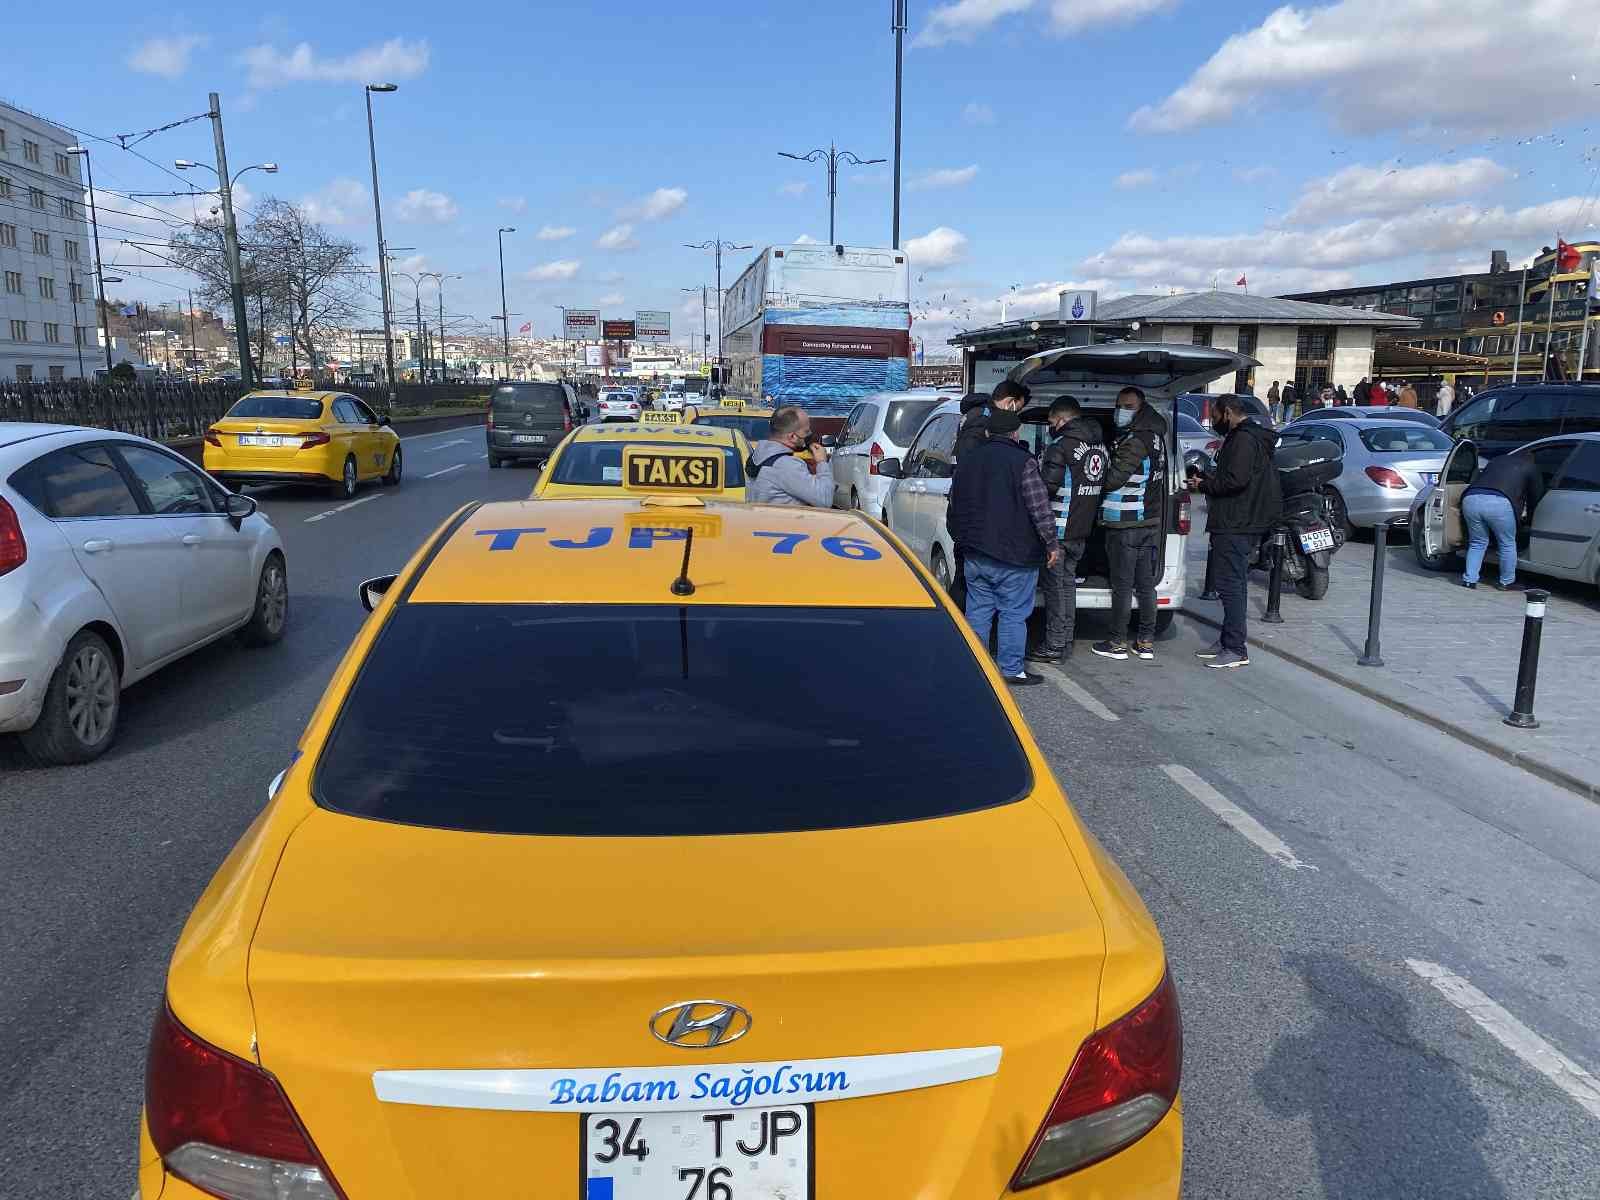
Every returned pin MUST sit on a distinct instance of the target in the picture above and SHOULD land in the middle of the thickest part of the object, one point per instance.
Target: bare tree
(199, 249)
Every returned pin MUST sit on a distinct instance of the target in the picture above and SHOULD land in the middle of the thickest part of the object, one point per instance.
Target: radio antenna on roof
(683, 585)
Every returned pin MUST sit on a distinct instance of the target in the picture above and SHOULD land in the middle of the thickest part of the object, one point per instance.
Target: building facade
(48, 322)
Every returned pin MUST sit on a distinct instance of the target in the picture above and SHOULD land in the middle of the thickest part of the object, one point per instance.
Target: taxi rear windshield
(548, 398)
(287, 408)
(755, 429)
(630, 721)
(599, 464)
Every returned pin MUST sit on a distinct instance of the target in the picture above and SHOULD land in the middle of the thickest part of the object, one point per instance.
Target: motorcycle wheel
(1314, 585)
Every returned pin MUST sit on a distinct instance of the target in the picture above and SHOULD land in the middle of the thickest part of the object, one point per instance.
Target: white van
(915, 505)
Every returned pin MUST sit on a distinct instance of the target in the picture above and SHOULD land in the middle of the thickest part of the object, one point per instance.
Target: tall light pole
(505, 319)
(719, 246)
(438, 282)
(416, 296)
(99, 263)
(566, 357)
(831, 156)
(705, 337)
(377, 216)
(897, 23)
(230, 232)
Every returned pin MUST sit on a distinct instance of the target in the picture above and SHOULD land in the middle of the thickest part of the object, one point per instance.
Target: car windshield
(1403, 439)
(599, 464)
(1187, 424)
(546, 398)
(753, 428)
(700, 721)
(905, 417)
(283, 408)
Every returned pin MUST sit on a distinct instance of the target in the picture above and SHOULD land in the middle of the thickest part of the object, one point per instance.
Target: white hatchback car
(116, 558)
(878, 427)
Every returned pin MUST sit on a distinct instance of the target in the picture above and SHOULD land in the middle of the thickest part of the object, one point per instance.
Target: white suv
(116, 558)
(879, 427)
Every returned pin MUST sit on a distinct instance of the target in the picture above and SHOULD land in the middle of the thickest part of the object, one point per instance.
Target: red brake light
(874, 457)
(1120, 1086)
(213, 439)
(566, 422)
(13, 546)
(1213, 445)
(224, 1124)
(1184, 522)
(314, 439)
(1384, 477)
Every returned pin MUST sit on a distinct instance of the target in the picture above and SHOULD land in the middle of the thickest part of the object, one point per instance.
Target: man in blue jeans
(1509, 487)
(1000, 521)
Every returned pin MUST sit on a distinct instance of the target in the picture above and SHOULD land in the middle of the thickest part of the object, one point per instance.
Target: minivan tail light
(1122, 1083)
(1184, 522)
(212, 439)
(874, 457)
(13, 546)
(224, 1125)
(1385, 477)
(491, 418)
(314, 439)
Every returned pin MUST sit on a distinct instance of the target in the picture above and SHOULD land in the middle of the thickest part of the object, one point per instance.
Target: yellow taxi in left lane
(590, 461)
(328, 439)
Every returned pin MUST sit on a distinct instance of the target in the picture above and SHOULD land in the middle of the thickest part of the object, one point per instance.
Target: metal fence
(160, 411)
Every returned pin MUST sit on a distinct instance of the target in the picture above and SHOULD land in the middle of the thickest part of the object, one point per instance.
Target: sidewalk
(1450, 655)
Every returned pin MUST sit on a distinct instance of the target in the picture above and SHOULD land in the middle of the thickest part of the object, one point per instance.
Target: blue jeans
(997, 589)
(1490, 513)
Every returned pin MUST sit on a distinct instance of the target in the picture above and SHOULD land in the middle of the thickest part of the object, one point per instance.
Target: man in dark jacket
(1000, 520)
(1133, 512)
(1073, 467)
(1507, 491)
(1245, 498)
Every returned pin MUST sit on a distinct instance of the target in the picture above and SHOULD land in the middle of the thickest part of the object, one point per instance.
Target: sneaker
(1229, 658)
(1469, 586)
(1513, 586)
(1043, 654)
(1145, 650)
(1210, 651)
(1116, 650)
(1024, 680)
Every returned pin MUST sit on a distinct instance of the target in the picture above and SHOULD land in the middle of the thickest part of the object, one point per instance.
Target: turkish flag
(527, 327)
(1567, 259)
(1240, 282)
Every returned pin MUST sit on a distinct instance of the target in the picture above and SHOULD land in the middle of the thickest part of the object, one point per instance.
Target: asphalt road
(1337, 888)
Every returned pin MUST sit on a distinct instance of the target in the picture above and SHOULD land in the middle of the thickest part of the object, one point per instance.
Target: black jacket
(1136, 480)
(988, 514)
(1245, 493)
(1074, 471)
(1516, 478)
(974, 429)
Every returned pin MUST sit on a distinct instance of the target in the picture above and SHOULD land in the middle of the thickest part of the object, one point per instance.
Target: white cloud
(1128, 180)
(342, 202)
(805, 239)
(434, 208)
(564, 268)
(938, 248)
(798, 187)
(1362, 191)
(411, 262)
(617, 238)
(555, 233)
(611, 300)
(267, 66)
(946, 177)
(938, 316)
(1071, 16)
(977, 114)
(516, 204)
(662, 202)
(1460, 66)
(962, 20)
(167, 57)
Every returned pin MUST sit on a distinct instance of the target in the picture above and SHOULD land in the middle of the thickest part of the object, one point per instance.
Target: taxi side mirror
(384, 422)
(373, 590)
(890, 467)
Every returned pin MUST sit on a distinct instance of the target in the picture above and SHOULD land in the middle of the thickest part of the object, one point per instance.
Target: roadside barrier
(1528, 664)
(1274, 614)
(1373, 655)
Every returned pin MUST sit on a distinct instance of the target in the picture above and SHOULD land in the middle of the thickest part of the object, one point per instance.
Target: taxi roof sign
(660, 417)
(733, 403)
(677, 470)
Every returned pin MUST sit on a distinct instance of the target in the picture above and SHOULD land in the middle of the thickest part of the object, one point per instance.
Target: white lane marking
(1513, 1035)
(1241, 822)
(323, 516)
(445, 445)
(446, 471)
(1078, 693)
(418, 437)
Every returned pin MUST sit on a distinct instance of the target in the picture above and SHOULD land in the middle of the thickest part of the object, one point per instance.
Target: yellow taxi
(321, 438)
(587, 880)
(752, 420)
(589, 462)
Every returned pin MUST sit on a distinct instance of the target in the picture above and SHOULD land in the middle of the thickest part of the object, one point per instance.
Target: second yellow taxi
(329, 439)
(593, 461)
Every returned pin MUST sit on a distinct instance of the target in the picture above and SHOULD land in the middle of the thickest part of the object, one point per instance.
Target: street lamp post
(438, 282)
(897, 23)
(831, 156)
(377, 216)
(705, 337)
(719, 246)
(99, 263)
(505, 319)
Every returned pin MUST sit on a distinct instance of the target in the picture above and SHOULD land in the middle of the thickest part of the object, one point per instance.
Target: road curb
(1534, 766)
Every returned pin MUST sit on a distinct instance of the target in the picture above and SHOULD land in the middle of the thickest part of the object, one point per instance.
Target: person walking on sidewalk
(1000, 520)
(1073, 467)
(1132, 514)
(1509, 487)
(1244, 499)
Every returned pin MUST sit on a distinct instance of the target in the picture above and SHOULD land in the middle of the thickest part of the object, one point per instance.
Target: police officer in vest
(1073, 466)
(1131, 513)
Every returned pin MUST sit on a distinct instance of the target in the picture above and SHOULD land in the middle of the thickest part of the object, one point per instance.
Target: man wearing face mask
(776, 472)
(1131, 511)
(1073, 466)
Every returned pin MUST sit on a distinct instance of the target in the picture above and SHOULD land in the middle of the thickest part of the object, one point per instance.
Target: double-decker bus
(819, 326)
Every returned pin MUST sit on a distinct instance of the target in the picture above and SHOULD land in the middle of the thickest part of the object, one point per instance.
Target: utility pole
(194, 347)
(100, 263)
(505, 317)
(897, 22)
(77, 330)
(230, 242)
(377, 215)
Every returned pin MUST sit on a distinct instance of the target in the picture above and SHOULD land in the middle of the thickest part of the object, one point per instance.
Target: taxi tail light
(1185, 522)
(212, 439)
(1384, 477)
(314, 439)
(13, 546)
(224, 1125)
(1120, 1086)
(874, 457)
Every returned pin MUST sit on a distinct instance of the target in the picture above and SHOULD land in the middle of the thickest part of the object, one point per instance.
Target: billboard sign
(617, 330)
(1079, 306)
(582, 324)
(652, 326)
(592, 357)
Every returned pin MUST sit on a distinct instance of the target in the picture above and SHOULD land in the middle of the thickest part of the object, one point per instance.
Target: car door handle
(191, 539)
(96, 545)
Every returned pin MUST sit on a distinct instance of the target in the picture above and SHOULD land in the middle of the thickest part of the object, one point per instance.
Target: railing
(158, 410)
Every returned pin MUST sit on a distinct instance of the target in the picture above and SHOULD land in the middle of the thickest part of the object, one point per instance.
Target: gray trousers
(1060, 586)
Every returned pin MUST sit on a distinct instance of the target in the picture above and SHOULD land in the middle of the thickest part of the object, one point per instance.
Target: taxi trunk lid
(387, 947)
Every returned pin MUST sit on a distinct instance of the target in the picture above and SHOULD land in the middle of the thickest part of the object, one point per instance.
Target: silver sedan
(1386, 464)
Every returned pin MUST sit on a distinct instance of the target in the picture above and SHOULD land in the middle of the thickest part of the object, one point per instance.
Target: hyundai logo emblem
(700, 1024)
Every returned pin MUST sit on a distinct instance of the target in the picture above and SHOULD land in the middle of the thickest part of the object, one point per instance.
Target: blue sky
(1125, 144)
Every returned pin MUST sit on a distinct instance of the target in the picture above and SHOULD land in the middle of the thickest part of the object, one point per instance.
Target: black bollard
(1373, 656)
(1528, 665)
(1274, 614)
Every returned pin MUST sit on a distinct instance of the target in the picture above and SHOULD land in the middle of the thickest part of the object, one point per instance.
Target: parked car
(1386, 463)
(1563, 537)
(528, 420)
(1198, 406)
(117, 557)
(1194, 436)
(1382, 412)
(915, 504)
(1514, 414)
(878, 427)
